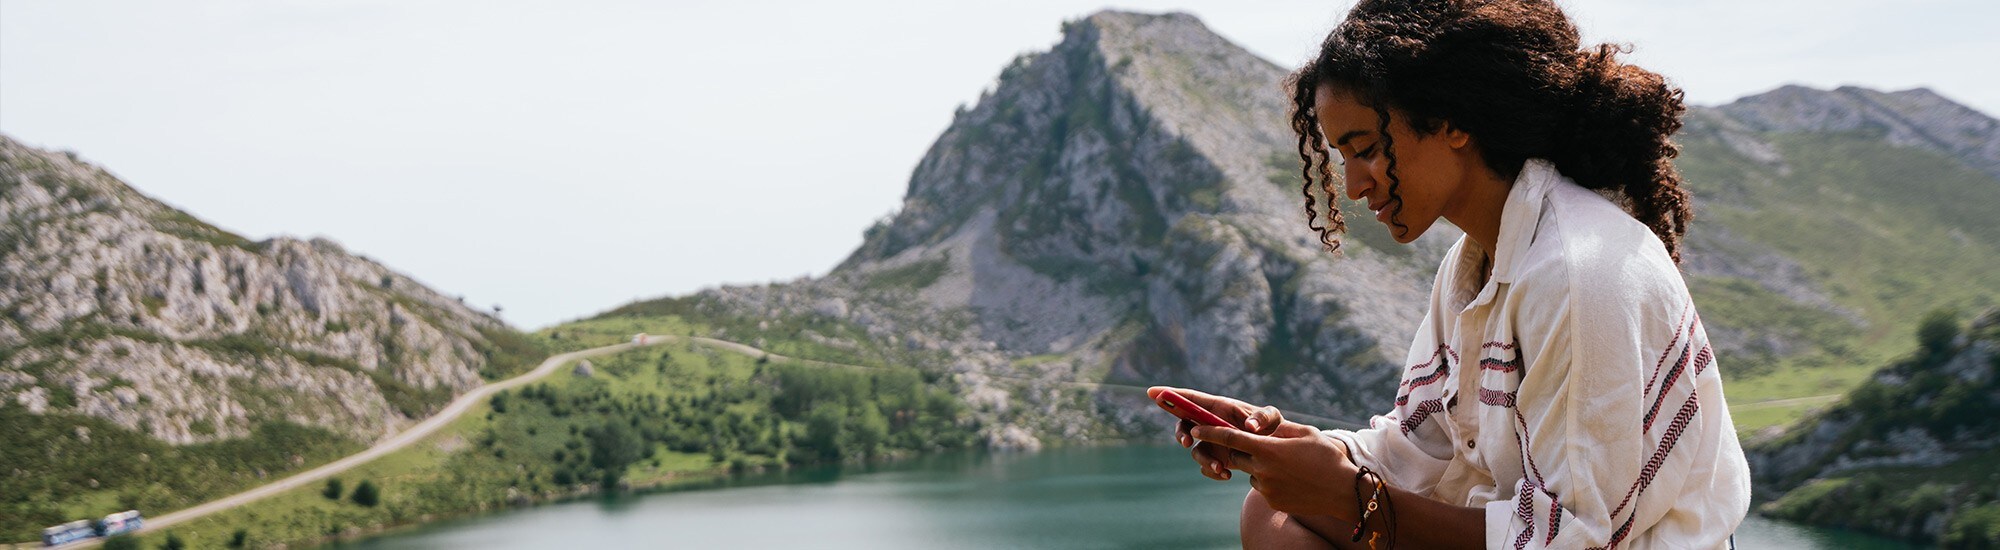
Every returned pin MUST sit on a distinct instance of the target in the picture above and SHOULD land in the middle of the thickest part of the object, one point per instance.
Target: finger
(1243, 461)
(1294, 429)
(1210, 468)
(1234, 438)
(1216, 453)
(1264, 421)
(1181, 433)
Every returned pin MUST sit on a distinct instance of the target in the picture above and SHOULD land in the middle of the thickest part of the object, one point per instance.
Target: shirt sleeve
(1412, 455)
(1600, 415)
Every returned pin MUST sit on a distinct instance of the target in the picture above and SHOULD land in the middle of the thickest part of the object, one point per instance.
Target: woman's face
(1432, 168)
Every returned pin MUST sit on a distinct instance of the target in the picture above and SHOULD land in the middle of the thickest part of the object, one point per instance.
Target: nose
(1358, 182)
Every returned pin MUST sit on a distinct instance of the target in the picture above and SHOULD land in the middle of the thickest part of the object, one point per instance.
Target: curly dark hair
(1512, 74)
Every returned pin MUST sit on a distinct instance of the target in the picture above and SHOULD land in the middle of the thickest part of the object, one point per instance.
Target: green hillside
(1886, 233)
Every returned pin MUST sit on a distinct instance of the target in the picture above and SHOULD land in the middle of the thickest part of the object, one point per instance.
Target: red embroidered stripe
(1428, 379)
(1527, 515)
(1495, 364)
(1701, 361)
(1443, 356)
(1496, 398)
(1679, 329)
(1652, 468)
(1423, 412)
(1555, 523)
(1673, 375)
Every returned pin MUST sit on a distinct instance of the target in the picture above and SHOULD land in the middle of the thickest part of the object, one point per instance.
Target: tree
(239, 539)
(366, 494)
(333, 489)
(1937, 330)
(174, 542)
(614, 446)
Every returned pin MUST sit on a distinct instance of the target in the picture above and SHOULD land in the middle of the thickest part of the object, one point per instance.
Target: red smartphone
(1180, 406)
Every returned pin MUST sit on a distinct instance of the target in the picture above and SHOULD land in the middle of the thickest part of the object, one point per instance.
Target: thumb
(1233, 438)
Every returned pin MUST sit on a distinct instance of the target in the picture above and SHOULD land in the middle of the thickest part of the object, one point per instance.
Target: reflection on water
(1073, 498)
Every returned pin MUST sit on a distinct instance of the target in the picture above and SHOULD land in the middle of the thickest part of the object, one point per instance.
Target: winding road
(392, 444)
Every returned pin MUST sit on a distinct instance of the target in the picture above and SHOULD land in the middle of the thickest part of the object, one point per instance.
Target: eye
(1369, 152)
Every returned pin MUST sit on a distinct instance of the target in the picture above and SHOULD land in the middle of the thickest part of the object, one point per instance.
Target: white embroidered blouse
(1573, 396)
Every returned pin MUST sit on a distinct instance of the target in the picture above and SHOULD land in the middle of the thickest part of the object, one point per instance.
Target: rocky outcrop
(1916, 117)
(1893, 457)
(120, 307)
(1926, 410)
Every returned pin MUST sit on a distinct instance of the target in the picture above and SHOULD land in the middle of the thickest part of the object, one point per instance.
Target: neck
(1478, 209)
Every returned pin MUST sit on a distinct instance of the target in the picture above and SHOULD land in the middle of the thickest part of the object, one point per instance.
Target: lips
(1381, 210)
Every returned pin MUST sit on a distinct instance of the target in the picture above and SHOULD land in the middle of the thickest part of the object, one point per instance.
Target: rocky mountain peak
(121, 307)
(1128, 201)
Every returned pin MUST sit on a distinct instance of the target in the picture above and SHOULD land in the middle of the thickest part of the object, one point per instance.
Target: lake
(1111, 497)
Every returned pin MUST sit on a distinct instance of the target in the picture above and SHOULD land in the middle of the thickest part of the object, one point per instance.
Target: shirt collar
(1521, 216)
(1519, 219)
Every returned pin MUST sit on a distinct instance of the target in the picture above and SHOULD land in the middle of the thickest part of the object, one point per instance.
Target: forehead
(1340, 112)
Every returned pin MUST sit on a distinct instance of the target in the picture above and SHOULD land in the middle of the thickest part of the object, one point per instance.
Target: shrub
(366, 494)
(333, 489)
(1937, 330)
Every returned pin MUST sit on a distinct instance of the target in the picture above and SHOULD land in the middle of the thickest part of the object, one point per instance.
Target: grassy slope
(1888, 233)
(700, 413)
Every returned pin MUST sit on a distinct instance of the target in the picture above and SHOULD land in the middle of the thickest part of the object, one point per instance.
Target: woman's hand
(1298, 470)
(1214, 460)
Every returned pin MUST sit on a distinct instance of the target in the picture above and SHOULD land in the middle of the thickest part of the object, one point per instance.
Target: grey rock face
(120, 307)
(1123, 208)
(1916, 117)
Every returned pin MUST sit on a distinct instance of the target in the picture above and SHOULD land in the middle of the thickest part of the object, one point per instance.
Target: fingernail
(1182, 438)
(1252, 423)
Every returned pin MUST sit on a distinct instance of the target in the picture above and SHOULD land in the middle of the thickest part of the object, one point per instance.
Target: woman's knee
(1260, 525)
(1264, 527)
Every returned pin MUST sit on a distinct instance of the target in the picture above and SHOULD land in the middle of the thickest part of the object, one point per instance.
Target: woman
(1560, 392)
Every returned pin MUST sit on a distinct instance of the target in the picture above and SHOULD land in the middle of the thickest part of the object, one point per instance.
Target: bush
(174, 542)
(121, 542)
(239, 539)
(366, 494)
(1937, 330)
(333, 489)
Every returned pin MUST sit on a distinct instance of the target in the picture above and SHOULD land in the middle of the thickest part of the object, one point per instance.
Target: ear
(1455, 136)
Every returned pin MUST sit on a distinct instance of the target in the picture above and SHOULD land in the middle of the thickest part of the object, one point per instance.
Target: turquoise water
(1117, 497)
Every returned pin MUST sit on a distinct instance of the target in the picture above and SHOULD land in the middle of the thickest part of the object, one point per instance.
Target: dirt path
(392, 444)
(1810, 400)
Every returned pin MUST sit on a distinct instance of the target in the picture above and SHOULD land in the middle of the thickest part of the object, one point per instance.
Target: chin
(1411, 235)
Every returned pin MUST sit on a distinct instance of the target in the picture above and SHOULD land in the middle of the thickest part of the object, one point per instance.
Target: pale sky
(563, 158)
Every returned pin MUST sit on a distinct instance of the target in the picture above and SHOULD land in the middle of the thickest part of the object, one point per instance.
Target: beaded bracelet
(1378, 500)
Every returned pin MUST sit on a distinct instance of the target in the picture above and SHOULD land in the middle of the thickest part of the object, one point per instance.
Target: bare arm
(1301, 472)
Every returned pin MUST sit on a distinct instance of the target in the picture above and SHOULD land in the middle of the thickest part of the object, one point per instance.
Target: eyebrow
(1342, 142)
